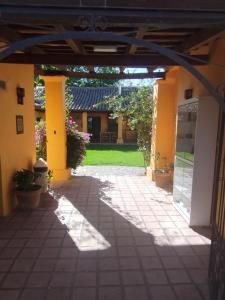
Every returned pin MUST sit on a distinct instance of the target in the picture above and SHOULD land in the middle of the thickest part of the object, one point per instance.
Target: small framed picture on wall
(19, 124)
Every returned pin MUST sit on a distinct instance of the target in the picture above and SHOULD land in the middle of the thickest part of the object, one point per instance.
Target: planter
(28, 199)
(163, 180)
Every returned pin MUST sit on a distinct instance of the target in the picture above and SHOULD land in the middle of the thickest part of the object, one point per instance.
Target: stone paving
(110, 170)
(105, 237)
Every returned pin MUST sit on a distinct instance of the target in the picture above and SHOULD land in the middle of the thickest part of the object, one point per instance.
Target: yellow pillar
(120, 130)
(164, 125)
(55, 126)
(84, 121)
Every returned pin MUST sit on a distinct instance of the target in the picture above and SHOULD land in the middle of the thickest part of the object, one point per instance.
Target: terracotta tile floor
(104, 238)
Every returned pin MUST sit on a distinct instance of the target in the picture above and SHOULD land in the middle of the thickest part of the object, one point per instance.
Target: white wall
(204, 161)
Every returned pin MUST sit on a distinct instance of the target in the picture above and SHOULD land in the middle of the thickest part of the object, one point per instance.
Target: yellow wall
(16, 150)
(169, 92)
(164, 123)
(55, 126)
(214, 73)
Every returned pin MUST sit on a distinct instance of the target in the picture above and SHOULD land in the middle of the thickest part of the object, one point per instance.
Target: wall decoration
(19, 124)
(20, 95)
(2, 85)
(188, 93)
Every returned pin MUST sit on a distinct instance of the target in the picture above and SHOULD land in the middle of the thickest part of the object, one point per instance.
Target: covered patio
(103, 237)
(113, 236)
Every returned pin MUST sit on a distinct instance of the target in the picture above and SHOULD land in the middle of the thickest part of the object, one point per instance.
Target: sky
(136, 82)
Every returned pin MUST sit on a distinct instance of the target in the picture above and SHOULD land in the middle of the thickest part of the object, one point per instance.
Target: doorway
(94, 127)
(217, 255)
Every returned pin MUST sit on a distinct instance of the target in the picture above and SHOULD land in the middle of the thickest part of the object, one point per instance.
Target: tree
(83, 82)
(138, 109)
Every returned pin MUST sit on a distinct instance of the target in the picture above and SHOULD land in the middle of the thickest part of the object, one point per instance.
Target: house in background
(91, 115)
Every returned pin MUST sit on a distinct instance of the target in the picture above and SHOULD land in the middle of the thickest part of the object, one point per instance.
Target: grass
(115, 155)
(185, 155)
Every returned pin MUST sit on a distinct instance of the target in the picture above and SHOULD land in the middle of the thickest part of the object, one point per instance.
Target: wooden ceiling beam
(105, 76)
(131, 49)
(200, 38)
(9, 35)
(99, 60)
(67, 14)
(76, 46)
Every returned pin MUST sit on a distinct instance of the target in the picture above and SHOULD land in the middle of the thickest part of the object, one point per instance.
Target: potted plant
(163, 176)
(27, 192)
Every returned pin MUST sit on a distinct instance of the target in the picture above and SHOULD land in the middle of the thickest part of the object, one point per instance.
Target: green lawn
(116, 155)
(185, 155)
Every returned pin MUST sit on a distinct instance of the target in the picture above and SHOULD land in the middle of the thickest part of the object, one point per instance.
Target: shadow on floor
(101, 239)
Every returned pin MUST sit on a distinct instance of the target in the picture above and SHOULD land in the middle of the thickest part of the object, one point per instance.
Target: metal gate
(217, 255)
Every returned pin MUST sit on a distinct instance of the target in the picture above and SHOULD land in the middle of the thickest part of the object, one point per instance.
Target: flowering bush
(76, 142)
(40, 137)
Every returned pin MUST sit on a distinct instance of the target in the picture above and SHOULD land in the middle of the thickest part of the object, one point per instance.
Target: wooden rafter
(106, 76)
(8, 35)
(100, 60)
(76, 46)
(139, 35)
(200, 38)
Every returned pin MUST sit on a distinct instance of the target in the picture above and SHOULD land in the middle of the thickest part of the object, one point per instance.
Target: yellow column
(164, 125)
(84, 121)
(120, 130)
(55, 126)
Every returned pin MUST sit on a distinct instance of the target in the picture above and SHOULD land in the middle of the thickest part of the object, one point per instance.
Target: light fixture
(108, 49)
(20, 95)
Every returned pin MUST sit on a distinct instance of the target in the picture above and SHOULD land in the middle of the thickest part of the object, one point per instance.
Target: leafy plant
(25, 180)
(76, 144)
(138, 110)
(50, 176)
(40, 137)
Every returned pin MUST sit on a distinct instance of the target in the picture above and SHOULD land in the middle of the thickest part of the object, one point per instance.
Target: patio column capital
(55, 78)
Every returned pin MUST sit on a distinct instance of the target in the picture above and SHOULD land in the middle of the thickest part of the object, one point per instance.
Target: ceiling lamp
(108, 49)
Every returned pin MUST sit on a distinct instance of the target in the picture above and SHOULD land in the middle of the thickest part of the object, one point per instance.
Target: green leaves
(137, 108)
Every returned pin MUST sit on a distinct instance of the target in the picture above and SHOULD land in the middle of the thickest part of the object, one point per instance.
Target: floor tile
(178, 276)
(14, 281)
(9, 294)
(156, 277)
(83, 294)
(109, 278)
(45, 264)
(111, 238)
(162, 292)
(132, 277)
(187, 292)
(85, 279)
(134, 293)
(110, 293)
(38, 280)
(34, 294)
(61, 293)
(61, 279)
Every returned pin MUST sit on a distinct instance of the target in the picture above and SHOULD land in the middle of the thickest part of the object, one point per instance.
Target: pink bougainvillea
(75, 155)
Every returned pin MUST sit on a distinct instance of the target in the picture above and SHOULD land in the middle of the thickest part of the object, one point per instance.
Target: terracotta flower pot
(28, 199)
(162, 180)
